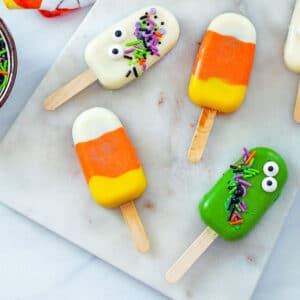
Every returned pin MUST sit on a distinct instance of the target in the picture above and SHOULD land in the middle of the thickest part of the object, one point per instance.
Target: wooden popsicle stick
(297, 107)
(71, 89)
(136, 228)
(204, 126)
(187, 259)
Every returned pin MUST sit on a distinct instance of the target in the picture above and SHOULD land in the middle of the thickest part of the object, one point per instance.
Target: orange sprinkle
(3, 72)
(142, 61)
(250, 157)
(233, 217)
(157, 33)
(237, 222)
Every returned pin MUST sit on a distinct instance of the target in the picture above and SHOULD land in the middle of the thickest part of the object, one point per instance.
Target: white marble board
(40, 176)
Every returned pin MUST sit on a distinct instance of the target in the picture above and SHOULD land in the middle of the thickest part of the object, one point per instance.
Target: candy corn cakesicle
(110, 165)
(292, 45)
(8, 63)
(236, 203)
(221, 73)
(124, 52)
(292, 50)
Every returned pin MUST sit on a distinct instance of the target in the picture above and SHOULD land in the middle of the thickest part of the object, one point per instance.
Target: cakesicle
(291, 52)
(112, 170)
(123, 52)
(236, 203)
(221, 73)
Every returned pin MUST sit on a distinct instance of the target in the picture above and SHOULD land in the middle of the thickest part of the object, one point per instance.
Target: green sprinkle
(237, 207)
(232, 191)
(137, 42)
(140, 50)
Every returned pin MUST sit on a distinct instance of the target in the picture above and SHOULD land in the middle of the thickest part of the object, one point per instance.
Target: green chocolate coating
(212, 206)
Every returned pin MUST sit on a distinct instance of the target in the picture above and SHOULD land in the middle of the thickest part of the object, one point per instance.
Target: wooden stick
(297, 107)
(183, 264)
(71, 89)
(136, 228)
(204, 126)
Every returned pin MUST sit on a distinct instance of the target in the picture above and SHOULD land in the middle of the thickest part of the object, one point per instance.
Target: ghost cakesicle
(236, 203)
(111, 167)
(291, 52)
(221, 73)
(123, 52)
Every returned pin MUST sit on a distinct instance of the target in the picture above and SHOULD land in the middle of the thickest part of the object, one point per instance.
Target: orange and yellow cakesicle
(109, 162)
(221, 73)
(223, 65)
(107, 157)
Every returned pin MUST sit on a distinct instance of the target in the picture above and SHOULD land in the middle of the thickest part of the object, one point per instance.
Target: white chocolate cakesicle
(123, 52)
(292, 45)
(127, 49)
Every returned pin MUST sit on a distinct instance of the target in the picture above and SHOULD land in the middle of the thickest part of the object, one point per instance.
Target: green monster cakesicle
(236, 203)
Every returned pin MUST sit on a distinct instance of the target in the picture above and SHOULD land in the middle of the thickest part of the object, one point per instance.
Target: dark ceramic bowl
(8, 62)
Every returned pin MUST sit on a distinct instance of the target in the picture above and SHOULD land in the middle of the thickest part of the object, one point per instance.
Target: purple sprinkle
(162, 31)
(130, 50)
(144, 67)
(154, 50)
(152, 11)
(152, 22)
(139, 46)
(151, 27)
(237, 214)
(243, 209)
(244, 191)
(246, 151)
(137, 25)
(154, 42)
(240, 163)
(148, 35)
(245, 182)
(238, 176)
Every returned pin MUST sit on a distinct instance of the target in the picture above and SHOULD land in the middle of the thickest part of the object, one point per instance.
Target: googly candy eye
(271, 168)
(269, 184)
(119, 34)
(115, 52)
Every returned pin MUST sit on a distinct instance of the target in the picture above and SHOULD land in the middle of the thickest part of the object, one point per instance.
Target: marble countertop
(35, 263)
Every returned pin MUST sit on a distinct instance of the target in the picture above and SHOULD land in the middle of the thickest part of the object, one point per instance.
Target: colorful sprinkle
(237, 186)
(4, 64)
(148, 36)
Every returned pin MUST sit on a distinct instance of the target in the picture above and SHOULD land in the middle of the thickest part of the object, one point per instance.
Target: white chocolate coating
(234, 25)
(93, 123)
(292, 45)
(112, 72)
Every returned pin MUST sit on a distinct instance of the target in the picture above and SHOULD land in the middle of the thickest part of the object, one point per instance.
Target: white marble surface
(35, 263)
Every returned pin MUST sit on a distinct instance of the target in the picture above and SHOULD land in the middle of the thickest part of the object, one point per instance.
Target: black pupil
(115, 51)
(271, 168)
(269, 182)
(118, 33)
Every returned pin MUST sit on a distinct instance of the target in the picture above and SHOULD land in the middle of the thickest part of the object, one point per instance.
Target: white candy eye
(115, 52)
(271, 168)
(119, 34)
(269, 184)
